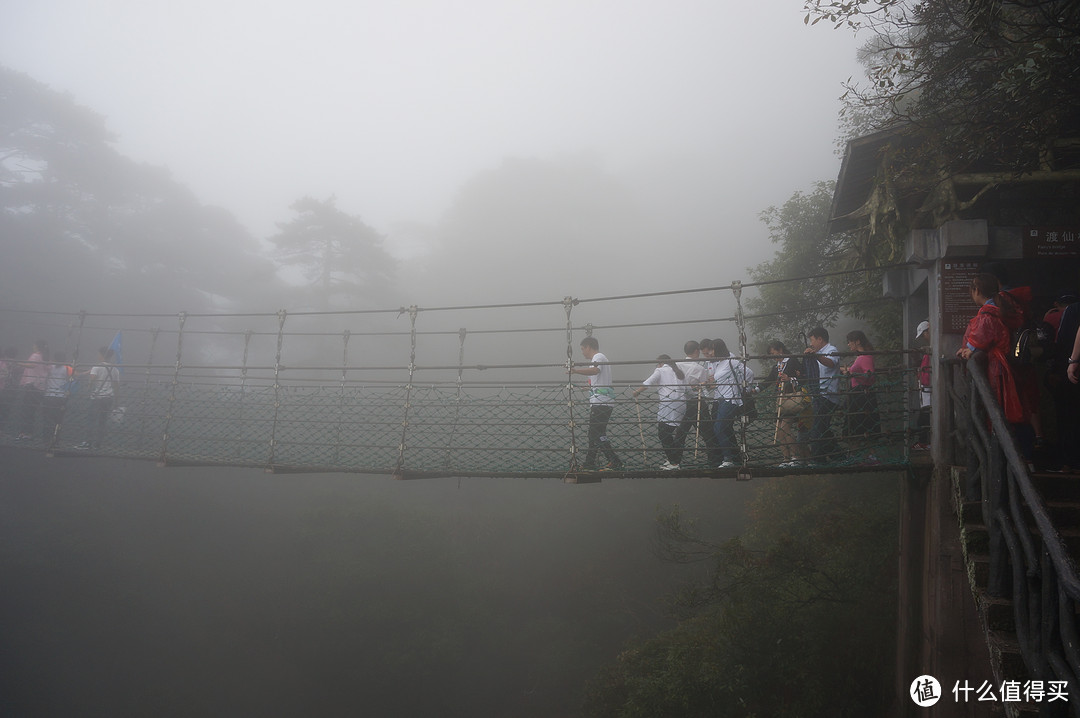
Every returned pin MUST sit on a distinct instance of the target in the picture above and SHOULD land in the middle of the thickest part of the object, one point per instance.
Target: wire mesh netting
(300, 393)
(451, 429)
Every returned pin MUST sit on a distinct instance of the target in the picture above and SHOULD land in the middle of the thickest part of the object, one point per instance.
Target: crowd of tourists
(707, 393)
(41, 385)
(1030, 357)
(1033, 365)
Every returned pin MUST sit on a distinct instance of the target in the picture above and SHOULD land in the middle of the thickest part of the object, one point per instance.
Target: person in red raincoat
(987, 332)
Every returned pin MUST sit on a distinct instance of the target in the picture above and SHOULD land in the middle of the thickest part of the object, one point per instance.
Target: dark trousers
(923, 425)
(671, 441)
(698, 414)
(822, 441)
(599, 414)
(724, 428)
(31, 400)
(7, 400)
(1067, 406)
(52, 416)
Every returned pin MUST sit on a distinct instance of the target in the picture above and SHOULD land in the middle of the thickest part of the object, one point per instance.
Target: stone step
(1005, 647)
(1053, 487)
(1064, 513)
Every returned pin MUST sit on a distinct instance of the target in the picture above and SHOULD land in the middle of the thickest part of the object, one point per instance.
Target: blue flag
(117, 355)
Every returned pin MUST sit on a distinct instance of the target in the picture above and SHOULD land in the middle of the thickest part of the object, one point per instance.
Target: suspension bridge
(389, 391)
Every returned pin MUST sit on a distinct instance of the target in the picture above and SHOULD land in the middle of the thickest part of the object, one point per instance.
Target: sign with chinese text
(1045, 243)
(957, 308)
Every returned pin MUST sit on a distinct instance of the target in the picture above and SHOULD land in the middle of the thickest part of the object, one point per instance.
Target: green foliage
(795, 619)
(991, 83)
(784, 309)
(340, 256)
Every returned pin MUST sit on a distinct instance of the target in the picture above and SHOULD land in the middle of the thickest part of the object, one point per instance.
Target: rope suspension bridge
(297, 392)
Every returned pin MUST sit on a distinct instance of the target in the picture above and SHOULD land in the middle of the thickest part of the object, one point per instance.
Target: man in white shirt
(731, 378)
(601, 404)
(104, 379)
(823, 363)
(697, 403)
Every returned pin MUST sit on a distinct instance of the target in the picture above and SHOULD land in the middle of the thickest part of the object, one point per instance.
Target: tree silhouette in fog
(341, 258)
(86, 227)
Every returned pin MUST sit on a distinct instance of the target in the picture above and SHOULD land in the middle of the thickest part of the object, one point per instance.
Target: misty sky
(393, 106)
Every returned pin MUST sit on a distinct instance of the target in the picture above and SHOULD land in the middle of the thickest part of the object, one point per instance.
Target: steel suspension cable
(400, 469)
(568, 306)
(744, 419)
(272, 457)
(171, 407)
(462, 332)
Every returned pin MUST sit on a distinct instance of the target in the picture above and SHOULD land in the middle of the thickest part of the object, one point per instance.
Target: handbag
(792, 401)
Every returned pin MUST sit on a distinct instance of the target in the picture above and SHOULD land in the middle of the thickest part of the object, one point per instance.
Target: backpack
(1066, 335)
(1029, 340)
(1030, 344)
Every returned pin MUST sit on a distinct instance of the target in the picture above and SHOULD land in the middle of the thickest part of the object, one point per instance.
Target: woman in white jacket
(671, 389)
(731, 377)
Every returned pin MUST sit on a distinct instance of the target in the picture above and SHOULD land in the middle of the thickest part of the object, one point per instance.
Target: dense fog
(132, 590)
(182, 172)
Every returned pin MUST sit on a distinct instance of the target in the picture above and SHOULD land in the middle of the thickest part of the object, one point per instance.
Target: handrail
(1036, 572)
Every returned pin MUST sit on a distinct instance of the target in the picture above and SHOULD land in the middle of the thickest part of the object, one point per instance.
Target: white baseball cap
(923, 326)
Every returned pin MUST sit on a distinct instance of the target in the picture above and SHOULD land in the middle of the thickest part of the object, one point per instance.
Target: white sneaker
(668, 466)
(726, 465)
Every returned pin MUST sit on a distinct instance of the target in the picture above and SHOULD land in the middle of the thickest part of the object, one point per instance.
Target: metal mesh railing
(441, 429)
(261, 390)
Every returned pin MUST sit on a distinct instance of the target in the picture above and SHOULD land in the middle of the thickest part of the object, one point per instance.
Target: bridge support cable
(243, 389)
(399, 470)
(458, 398)
(271, 459)
(173, 389)
(342, 406)
(744, 386)
(144, 398)
(568, 307)
(55, 437)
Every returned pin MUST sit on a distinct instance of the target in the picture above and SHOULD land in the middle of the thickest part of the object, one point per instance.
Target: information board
(957, 307)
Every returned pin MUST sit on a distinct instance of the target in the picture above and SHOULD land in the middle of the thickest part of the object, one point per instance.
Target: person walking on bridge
(670, 382)
(104, 381)
(863, 419)
(35, 372)
(732, 378)
(697, 404)
(823, 362)
(601, 404)
(786, 376)
(57, 389)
